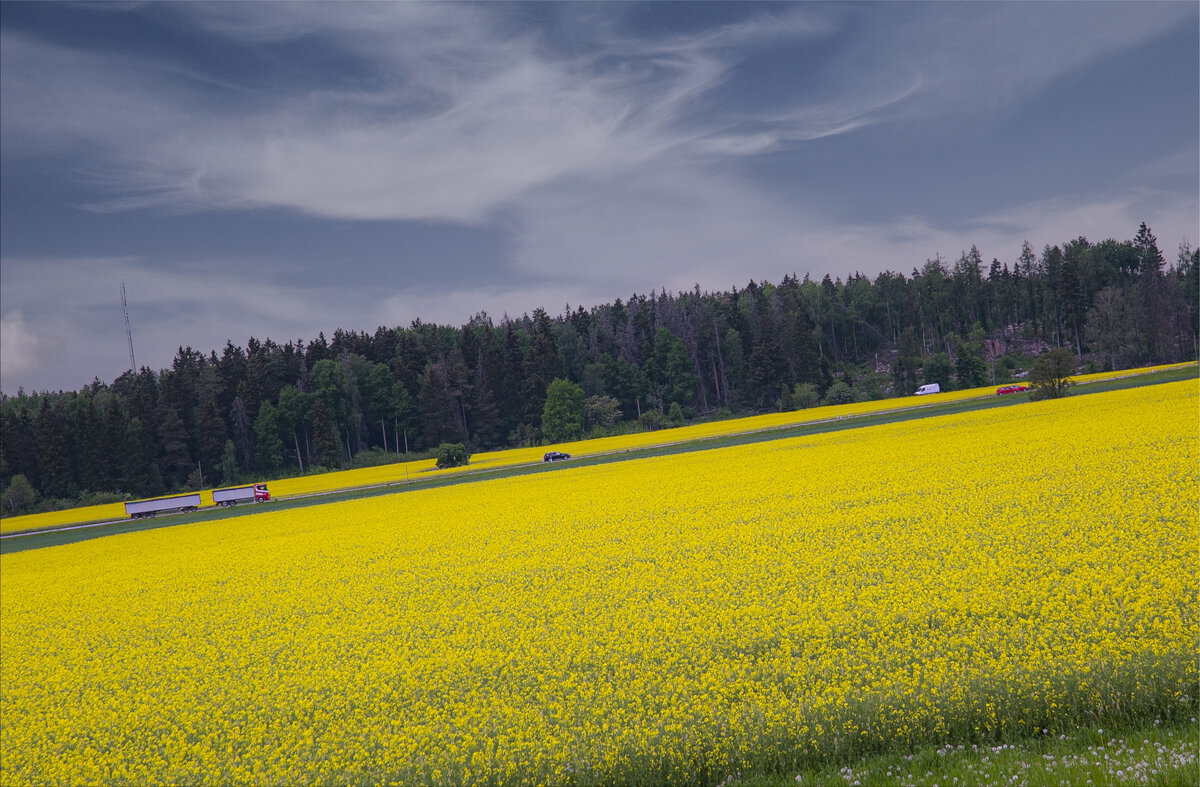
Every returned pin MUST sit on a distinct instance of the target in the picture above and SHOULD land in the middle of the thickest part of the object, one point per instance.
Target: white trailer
(140, 509)
(231, 496)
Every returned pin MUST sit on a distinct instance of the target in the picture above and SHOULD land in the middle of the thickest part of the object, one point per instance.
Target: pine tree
(211, 434)
(228, 466)
(1149, 258)
(806, 359)
(139, 471)
(111, 455)
(765, 371)
(438, 421)
(969, 368)
(1070, 297)
(89, 436)
(485, 415)
(541, 366)
(175, 460)
(243, 438)
(327, 445)
(54, 460)
(18, 445)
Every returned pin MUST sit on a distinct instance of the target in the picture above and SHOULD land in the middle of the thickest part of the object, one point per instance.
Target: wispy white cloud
(457, 117)
(627, 240)
(459, 120)
(613, 160)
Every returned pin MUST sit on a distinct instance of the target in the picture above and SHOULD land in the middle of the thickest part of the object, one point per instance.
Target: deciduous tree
(562, 414)
(1050, 376)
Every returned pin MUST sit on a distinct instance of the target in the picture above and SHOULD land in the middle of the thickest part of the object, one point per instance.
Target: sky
(278, 170)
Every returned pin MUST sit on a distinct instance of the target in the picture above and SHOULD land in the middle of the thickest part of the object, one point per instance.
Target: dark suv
(555, 456)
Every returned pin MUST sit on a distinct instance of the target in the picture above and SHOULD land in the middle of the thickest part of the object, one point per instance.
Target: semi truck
(141, 509)
(231, 496)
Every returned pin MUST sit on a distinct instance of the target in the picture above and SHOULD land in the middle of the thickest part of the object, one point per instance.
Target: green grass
(1155, 754)
(9, 544)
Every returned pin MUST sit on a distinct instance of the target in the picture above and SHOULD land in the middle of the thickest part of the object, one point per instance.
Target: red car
(1010, 389)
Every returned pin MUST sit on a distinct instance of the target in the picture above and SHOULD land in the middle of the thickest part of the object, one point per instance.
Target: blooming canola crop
(671, 619)
(406, 472)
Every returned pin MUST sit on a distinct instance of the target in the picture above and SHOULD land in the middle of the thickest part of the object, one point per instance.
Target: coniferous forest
(270, 409)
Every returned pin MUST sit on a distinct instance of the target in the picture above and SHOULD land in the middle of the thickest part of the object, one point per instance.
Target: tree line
(269, 409)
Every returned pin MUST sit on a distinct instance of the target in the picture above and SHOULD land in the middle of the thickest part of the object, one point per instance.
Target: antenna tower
(128, 333)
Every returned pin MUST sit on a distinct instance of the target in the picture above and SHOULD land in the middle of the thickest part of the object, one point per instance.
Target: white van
(928, 389)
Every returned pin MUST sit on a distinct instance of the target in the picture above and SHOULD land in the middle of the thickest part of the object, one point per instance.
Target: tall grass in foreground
(1154, 754)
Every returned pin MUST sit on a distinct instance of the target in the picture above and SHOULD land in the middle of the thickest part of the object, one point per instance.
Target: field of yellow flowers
(967, 578)
(403, 472)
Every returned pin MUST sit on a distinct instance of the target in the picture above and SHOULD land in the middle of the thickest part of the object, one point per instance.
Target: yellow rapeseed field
(402, 472)
(667, 620)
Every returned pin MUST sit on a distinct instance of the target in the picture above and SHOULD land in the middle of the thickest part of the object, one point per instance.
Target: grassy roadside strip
(410, 469)
(44, 537)
(70, 534)
(1154, 754)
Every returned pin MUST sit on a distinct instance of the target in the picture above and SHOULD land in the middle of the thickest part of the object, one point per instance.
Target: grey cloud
(603, 162)
(463, 119)
(25, 348)
(198, 303)
(980, 56)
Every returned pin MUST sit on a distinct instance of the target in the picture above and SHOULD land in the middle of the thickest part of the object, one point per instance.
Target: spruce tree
(327, 445)
(243, 438)
(89, 437)
(211, 434)
(54, 461)
(175, 460)
(139, 471)
(228, 466)
(18, 445)
(541, 366)
(438, 421)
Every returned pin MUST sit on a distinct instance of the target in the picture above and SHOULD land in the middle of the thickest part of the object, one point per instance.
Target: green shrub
(19, 495)
(451, 455)
(840, 393)
(653, 420)
(102, 498)
(804, 396)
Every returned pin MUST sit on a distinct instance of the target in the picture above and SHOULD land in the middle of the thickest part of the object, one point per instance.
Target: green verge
(18, 542)
(1031, 728)
(1157, 754)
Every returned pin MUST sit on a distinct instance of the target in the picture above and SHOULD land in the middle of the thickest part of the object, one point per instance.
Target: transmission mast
(128, 333)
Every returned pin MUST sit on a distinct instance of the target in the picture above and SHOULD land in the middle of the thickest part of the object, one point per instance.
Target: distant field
(762, 609)
(424, 469)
